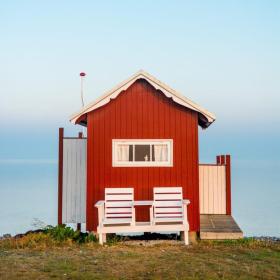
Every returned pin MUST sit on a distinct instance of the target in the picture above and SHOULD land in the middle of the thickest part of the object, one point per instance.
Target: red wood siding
(142, 112)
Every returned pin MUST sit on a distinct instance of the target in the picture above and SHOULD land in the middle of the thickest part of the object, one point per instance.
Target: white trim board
(206, 117)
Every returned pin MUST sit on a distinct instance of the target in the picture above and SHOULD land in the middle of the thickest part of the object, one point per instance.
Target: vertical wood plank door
(74, 181)
(212, 189)
(142, 112)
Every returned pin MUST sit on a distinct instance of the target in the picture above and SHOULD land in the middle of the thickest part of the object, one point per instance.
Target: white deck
(219, 227)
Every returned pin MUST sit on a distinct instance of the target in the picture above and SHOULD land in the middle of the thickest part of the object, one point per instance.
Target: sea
(28, 196)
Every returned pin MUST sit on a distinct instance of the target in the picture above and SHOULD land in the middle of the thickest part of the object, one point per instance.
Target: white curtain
(123, 152)
(161, 152)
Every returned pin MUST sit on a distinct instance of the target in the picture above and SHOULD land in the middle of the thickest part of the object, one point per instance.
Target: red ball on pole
(82, 74)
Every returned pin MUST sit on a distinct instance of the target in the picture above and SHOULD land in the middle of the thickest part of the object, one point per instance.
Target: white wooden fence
(212, 189)
(74, 180)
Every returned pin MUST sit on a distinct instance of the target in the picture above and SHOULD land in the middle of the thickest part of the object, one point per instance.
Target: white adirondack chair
(170, 207)
(117, 214)
(117, 209)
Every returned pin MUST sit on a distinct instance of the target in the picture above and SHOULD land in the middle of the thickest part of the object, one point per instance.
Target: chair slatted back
(118, 203)
(168, 202)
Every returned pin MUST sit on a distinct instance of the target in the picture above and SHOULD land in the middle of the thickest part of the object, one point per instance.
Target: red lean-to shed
(143, 134)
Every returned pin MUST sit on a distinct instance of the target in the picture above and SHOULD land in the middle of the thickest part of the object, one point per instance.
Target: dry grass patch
(248, 259)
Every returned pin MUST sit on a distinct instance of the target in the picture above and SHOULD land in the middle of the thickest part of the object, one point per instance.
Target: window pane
(142, 153)
(160, 152)
(123, 152)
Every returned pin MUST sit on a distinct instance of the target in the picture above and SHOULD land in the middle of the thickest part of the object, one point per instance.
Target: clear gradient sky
(224, 55)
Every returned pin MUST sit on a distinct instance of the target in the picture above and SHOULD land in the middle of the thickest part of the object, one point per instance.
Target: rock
(20, 235)
(267, 238)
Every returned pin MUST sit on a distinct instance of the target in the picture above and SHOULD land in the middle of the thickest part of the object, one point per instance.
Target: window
(146, 152)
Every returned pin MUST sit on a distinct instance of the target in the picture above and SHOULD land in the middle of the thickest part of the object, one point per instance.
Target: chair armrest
(100, 206)
(99, 203)
(186, 201)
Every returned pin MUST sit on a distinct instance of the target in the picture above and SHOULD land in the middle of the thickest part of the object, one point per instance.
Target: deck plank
(219, 227)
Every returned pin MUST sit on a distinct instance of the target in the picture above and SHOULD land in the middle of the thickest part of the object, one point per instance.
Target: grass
(42, 256)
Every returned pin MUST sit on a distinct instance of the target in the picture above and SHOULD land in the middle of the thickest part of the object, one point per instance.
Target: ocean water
(256, 197)
(28, 191)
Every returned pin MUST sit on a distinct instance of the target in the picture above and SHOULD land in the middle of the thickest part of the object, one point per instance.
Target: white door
(212, 189)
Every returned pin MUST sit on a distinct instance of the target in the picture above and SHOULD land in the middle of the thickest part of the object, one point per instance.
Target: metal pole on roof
(82, 75)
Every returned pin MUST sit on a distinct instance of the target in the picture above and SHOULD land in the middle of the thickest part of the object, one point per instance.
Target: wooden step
(219, 227)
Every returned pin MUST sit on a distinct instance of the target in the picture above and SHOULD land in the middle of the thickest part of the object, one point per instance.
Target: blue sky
(215, 52)
(224, 55)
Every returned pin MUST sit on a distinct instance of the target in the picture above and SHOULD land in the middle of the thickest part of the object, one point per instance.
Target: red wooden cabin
(143, 134)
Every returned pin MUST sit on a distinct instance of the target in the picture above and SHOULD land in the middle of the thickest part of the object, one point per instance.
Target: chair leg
(104, 237)
(100, 237)
(186, 237)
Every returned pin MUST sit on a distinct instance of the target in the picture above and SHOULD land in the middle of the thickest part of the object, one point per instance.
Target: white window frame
(116, 163)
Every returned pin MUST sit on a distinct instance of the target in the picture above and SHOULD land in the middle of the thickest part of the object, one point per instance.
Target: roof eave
(167, 91)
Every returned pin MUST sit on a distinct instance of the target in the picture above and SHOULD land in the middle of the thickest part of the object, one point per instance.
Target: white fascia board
(169, 92)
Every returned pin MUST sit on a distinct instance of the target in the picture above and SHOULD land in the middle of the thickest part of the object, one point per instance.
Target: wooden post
(79, 224)
(222, 160)
(218, 160)
(60, 174)
(228, 185)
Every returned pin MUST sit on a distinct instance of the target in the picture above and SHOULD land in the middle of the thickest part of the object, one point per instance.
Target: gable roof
(205, 117)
